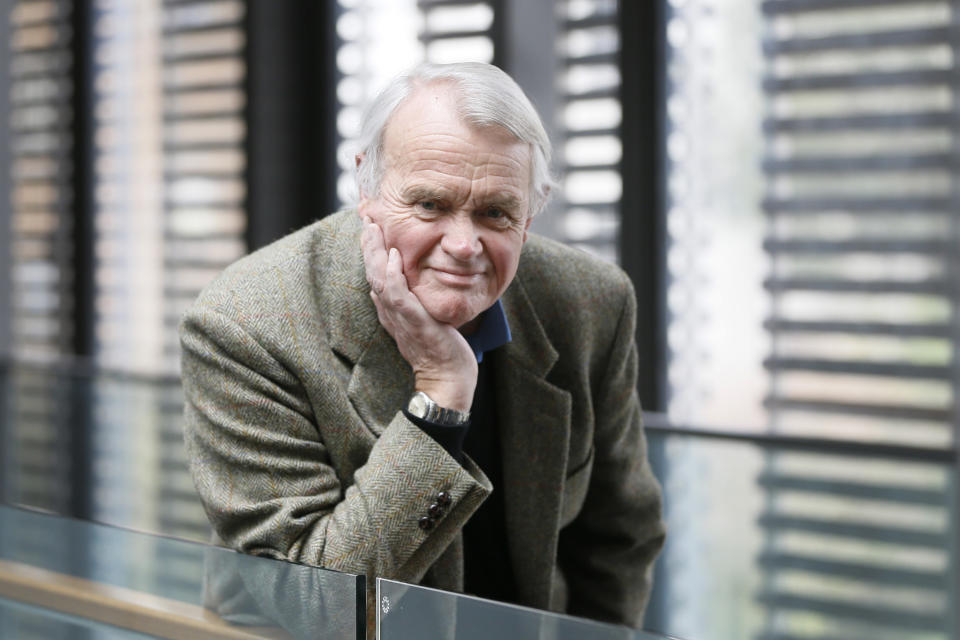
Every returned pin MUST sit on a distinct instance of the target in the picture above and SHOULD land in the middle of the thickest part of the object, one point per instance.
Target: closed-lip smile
(456, 277)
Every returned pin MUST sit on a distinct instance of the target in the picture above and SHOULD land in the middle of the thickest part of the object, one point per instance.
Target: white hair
(485, 96)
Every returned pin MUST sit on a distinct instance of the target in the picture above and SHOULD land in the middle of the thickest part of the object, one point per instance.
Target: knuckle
(395, 300)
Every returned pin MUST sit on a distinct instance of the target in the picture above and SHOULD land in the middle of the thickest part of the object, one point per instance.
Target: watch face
(418, 405)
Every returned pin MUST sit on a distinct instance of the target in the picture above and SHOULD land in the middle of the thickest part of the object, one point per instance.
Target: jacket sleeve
(606, 554)
(266, 473)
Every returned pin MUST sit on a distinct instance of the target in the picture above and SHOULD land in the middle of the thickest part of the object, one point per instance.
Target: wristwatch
(423, 407)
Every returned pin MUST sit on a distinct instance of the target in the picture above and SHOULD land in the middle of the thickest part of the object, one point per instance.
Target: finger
(397, 290)
(372, 242)
(382, 315)
(393, 289)
(394, 270)
(405, 310)
(374, 255)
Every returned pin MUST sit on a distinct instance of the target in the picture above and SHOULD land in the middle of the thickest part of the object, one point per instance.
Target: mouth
(457, 278)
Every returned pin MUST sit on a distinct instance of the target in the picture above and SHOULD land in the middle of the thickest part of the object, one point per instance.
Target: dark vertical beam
(81, 163)
(499, 33)
(77, 419)
(642, 205)
(526, 50)
(291, 114)
(643, 234)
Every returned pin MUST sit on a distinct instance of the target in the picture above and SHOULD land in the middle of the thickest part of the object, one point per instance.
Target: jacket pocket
(575, 490)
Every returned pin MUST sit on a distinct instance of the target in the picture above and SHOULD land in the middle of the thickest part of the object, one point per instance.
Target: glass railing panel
(772, 539)
(81, 571)
(106, 447)
(408, 612)
(19, 620)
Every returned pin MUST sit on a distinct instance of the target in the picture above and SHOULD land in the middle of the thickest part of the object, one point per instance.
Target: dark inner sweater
(488, 572)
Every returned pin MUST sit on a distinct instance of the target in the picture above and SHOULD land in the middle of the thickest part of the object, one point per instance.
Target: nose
(461, 239)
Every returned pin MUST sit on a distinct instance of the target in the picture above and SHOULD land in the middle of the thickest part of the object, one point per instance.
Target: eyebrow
(416, 193)
(503, 201)
(420, 192)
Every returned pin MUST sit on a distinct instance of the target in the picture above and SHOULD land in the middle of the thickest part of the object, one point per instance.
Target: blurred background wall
(778, 177)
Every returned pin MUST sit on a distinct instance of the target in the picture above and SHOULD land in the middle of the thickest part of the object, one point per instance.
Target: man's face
(454, 202)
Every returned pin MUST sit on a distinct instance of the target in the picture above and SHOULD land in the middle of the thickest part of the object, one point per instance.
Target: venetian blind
(37, 467)
(203, 151)
(169, 215)
(40, 61)
(589, 147)
(42, 300)
(380, 39)
(861, 199)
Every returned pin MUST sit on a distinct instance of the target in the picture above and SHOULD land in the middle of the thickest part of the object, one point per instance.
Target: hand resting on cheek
(444, 365)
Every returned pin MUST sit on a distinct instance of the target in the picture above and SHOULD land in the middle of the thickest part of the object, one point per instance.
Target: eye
(428, 205)
(494, 213)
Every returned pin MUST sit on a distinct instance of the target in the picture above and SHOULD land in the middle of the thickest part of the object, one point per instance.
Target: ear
(361, 196)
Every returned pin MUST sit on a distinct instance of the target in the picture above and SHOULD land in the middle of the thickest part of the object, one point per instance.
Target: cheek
(411, 241)
(505, 254)
(376, 211)
(411, 271)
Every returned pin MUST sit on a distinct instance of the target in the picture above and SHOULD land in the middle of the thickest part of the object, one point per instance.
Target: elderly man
(422, 390)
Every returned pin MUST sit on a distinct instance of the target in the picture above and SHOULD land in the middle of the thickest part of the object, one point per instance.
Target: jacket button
(443, 498)
(425, 523)
(435, 510)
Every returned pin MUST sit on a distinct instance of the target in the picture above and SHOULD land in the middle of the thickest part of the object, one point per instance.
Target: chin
(453, 314)
(455, 319)
(451, 306)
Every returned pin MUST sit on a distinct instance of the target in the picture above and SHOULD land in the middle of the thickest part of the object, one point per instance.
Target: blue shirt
(493, 332)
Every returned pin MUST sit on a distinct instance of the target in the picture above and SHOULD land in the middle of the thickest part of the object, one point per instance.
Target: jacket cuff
(450, 437)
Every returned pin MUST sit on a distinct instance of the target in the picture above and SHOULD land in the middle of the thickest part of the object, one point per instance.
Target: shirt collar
(493, 332)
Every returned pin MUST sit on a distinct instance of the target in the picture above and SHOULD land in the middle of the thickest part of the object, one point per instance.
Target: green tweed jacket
(300, 451)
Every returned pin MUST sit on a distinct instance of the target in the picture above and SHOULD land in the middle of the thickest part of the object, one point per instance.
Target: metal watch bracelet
(422, 406)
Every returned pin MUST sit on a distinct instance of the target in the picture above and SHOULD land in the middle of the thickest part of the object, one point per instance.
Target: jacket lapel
(535, 419)
(381, 381)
